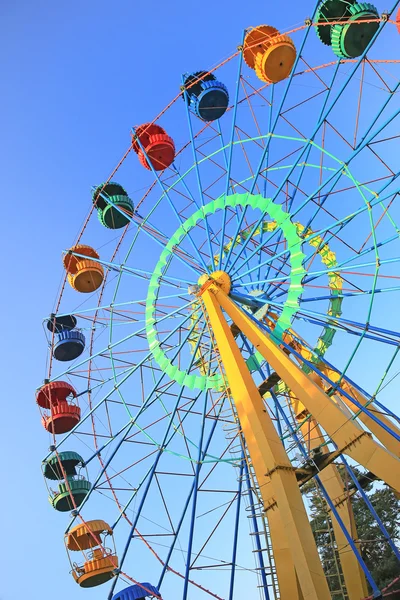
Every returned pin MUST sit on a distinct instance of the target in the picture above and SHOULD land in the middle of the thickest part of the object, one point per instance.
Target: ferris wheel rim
(125, 230)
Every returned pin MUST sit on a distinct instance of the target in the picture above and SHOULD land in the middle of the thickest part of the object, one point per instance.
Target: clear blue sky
(75, 77)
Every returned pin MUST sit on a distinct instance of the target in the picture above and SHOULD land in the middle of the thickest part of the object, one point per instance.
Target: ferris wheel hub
(221, 278)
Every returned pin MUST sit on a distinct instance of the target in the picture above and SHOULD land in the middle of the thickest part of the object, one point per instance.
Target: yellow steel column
(383, 436)
(270, 462)
(284, 565)
(354, 577)
(350, 438)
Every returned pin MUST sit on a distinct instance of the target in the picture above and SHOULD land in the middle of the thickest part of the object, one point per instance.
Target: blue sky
(75, 77)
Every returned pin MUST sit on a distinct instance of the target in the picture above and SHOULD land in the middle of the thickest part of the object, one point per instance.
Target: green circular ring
(291, 304)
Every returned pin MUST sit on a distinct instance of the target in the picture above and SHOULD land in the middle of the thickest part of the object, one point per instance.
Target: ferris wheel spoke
(265, 190)
(341, 268)
(116, 305)
(156, 235)
(232, 243)
(197, 170)
(194, 500)
(139, 272)
(362, 252)
(126, 338)
(350, 294)
(177, 349)
(100, 384)
(339, 223)
(365, 251)
(208, 228)
(345, 327)
(267, 158)
(223, 145)
(229, 162)
(344, 268)
(308, 148)
(188, 500)
(345, 263)
(352, 327)
(179, 218)
(266, 148)
(242, 250)
(258, 246)
(356, 184)
(239, 219)
(283, 100)
(363, 144)
(166, 280)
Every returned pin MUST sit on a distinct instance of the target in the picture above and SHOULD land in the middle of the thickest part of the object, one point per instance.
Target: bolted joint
(280, 468)
(271, 505)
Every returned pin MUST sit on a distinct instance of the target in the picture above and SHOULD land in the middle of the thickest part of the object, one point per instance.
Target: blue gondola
(69, 345)
(208, 97)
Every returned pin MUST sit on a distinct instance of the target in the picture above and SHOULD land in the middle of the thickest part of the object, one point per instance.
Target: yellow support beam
(353, 574)
(275, 475)
(380, 433)
(284, 565)
(349, 436)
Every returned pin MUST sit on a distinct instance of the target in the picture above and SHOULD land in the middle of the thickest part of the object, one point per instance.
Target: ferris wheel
(225, 340)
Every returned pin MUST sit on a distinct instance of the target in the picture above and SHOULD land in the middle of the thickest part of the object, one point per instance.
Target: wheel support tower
(298, 566)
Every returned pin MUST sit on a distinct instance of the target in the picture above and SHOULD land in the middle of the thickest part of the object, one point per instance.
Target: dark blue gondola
(137, 592)
(208, 97)
(69, 345)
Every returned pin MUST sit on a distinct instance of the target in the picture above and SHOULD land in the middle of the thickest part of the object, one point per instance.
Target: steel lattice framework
(241, 347)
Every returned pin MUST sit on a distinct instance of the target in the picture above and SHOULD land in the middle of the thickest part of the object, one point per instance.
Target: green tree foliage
(374, 548)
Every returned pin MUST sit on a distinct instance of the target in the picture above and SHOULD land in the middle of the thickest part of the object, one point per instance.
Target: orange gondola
(84, 274)
(100, 563)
